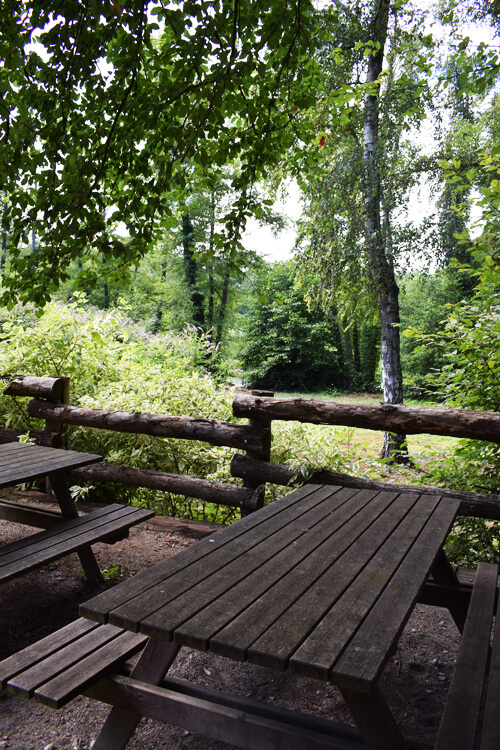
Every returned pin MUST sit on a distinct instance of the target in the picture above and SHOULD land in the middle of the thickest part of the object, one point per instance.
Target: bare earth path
(415, 681)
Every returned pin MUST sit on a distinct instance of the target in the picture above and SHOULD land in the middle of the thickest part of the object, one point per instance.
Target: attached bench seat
(62, 665)
(91, 659)
(470, 718)
(70, 535)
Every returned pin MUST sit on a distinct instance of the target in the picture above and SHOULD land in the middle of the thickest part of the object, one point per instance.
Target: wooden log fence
(200, 489)
(406, 420)
(50, 404)
(251, 469)
(51, 389)
(254, 468)
(210, 431)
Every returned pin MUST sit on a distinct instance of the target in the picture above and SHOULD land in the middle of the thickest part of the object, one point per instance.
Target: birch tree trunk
(379, 256)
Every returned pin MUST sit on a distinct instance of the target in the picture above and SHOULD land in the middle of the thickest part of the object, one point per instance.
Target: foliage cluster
(290, 346)
(113, 364)
(468, 347)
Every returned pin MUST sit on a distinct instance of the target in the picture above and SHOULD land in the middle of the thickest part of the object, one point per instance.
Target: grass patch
(354, 450)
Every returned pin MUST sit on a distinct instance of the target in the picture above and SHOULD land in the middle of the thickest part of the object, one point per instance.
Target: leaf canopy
(114, 112)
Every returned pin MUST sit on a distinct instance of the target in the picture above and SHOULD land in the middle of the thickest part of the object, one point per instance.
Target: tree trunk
(379, 259)
(3, 258)
(223, 302)
(191, 272)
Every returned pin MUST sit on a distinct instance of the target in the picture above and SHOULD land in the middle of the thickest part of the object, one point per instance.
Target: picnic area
(416, 679)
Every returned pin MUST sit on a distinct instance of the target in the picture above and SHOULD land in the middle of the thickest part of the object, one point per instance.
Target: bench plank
(69, 536)
(63, 664)
(65, 686)
(31, 655)
(490, 734)
(26, 682)
(460, 718)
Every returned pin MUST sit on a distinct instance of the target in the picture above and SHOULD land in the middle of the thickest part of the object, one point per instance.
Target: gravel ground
(415, 681)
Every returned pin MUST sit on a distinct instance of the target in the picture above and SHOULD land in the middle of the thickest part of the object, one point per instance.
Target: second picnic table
(64, 531)
(320, 583)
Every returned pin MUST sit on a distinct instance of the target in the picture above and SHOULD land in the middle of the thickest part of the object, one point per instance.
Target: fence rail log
(407, 420)
(210, 431)
(471, 503)
(200, 489)
(41, 437)
(49, 388)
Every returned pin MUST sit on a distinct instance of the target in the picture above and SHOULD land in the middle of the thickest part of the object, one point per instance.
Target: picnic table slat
(261, 563)
(363, 664)
(19, 463)
(282, 578)
(327, 642)
(99, 607)
(147, 603)
(236, 638)
(277, 645)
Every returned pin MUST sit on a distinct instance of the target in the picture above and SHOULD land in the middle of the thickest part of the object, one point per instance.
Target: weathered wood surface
(241, 722)
(471, 503)
(24, 462)
(60, 666)
(264, 455)
(461, 423)
(41, 437)
(263, 588)
(71, 535)
(490, 730)
(49, 388)
(28, 515)
(461, 717)
(201, 489)
(211, 431)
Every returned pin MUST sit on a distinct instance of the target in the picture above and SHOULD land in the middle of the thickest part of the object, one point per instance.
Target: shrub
(115, 365)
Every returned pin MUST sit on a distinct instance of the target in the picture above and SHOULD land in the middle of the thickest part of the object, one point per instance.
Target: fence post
(59, 427)
(263, 455)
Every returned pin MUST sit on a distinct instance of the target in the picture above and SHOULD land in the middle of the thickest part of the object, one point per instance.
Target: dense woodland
(139, 138)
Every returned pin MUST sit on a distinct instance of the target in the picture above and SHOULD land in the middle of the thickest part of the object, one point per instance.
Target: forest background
(137, 141)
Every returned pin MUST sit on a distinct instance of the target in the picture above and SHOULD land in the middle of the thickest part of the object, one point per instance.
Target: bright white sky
(262, 240)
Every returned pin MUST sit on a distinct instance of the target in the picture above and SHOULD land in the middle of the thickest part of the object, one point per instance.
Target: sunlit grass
(354, 450)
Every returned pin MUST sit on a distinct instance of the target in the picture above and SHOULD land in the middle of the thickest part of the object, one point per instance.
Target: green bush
(469, 378)
(288, 346)
(114, 365)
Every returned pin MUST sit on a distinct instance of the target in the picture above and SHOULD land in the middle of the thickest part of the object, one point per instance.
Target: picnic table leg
(374, 719)
(68, 509)
(151, 667)
(444, 574)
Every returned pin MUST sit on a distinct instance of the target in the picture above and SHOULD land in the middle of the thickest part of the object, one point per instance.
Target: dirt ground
(415, 681)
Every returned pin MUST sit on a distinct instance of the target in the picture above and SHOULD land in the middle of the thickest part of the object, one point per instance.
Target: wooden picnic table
(64, 531)
(320, 583)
